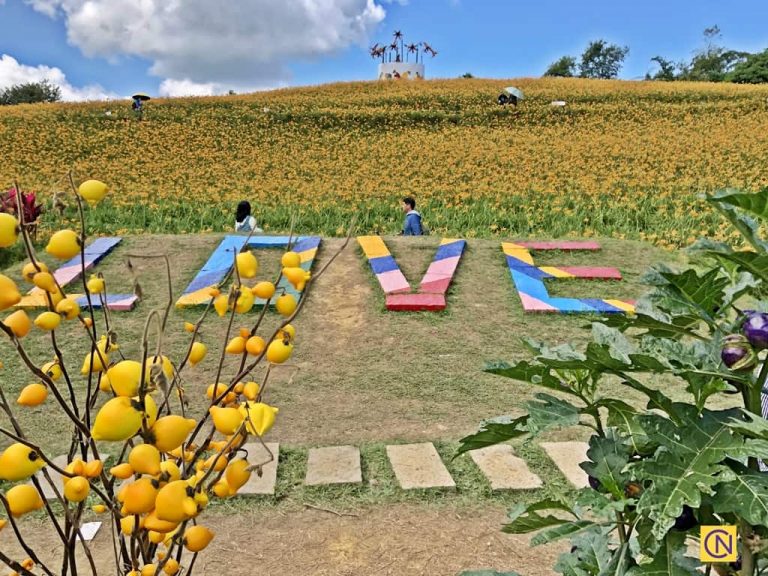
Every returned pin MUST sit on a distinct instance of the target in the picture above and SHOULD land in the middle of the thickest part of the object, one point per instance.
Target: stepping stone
(567, 456)
(419, 466)
(56, 478)
(256, 455)
(333, 465)
(504, 470)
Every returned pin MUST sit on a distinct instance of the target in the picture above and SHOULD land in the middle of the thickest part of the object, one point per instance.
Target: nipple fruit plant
(170, 465)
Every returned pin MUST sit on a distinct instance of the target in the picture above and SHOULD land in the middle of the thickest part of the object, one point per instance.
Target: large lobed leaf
(669, 560)
(492, 433)
(746, 495)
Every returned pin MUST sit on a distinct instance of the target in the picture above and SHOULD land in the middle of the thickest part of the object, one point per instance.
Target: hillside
(622, 159)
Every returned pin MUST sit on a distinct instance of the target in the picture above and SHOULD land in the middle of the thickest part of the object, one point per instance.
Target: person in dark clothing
(412, 226)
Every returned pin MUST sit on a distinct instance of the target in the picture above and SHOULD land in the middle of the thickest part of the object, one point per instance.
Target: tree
(713, 62)
(602, 60)
(666, 69)
(753, 70)
(30, 93)
(565, 67)
(466, 75)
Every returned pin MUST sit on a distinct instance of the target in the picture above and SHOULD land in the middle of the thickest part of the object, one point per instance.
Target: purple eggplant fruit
(686, 520)
(755, 328)
(737, 353)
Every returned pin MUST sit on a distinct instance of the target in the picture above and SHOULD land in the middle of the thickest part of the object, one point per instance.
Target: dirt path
(392, 540)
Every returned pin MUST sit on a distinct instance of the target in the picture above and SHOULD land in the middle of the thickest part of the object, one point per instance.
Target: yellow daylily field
(622, 159)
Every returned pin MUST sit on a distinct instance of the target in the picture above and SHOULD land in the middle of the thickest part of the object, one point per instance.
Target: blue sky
(111, 47)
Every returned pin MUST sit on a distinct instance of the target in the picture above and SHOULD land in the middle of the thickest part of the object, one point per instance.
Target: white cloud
(12, 72)
(245, 43)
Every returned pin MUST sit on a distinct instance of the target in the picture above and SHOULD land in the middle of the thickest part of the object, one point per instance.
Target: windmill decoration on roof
(400, 60)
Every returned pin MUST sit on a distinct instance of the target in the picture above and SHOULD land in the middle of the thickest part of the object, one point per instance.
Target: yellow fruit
(122, 471)
(139, 497)
(196, 538)
(23, 498)
(237, 474)
(149, 570)
(170, 431)
(9, 293)
(48, 321)
(255, 345)
(64, 244)
(167, 367)
(124, 377)
(29, 270)
(218, 461)
(197, 353)
(93, 191)
(239, 387)
(259, 417)
(202, 499)
(99, 508)
(76, 489)
(278, 351)
(69, 308)
(298, 277)
(52, 370)
(245, 333)
(145, 459)
(95, 284)
(32, 395)
(3, 523)
(288, 331)
(19, 462)
(45, 281)
(9, 230)
(244, 301)
(226, 420)
(236, 345)
(174, 502)
(221, 304)
(152, 522)
(171, 567)
(127, 525)
(247, 265)
(99, 362)
(213, 292)
(221, 489)
(19, 323)
(216, 390)
(286, 304)
(251, 390)
(118, 420)
(189, 327)
(93, 468)
(87, 322)
(155, 537)
(169, 471)
(264, 290)
(290, 260)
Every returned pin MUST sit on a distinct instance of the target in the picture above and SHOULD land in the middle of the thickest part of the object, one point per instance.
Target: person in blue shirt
(412, 225)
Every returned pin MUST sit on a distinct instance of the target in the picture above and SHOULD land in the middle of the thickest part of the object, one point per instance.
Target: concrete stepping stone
(56, 478)
(419, 466)
(266, 483)
(504, 470)
(567, 456)
(333, 465)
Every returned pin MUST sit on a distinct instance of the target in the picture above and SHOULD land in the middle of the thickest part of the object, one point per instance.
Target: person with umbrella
(138, 105)
(511, 95)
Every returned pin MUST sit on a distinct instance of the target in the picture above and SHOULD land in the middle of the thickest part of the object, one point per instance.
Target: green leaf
(619, 563)
(749, 424)
(752, 262)
(591, 555)
(746, 495)
(670, 560)
(688, 463)
(535, 374)
(689, 290)
(601, 505)
(623, 417)
(675, 328)
(548, 412)
(494, 433)
(726, 202)
(608, 456)
(559, 532)
(755, 203)
(525, 519)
